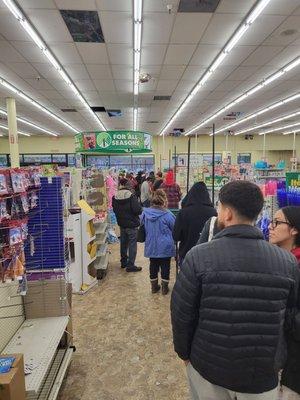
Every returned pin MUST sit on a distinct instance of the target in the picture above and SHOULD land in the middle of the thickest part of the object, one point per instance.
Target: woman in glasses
(285, 233)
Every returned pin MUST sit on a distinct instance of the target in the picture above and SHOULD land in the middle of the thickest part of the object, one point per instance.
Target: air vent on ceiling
(66, 110)
(152, 122)
(198, 6)
(114, 113)
(84, 26)
(98, 109)
(159, 98)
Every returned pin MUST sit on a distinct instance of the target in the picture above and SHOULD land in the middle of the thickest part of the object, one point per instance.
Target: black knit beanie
(292, 214)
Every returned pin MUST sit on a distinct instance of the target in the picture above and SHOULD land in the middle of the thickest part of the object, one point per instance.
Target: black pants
(163, 264)
(128, 246)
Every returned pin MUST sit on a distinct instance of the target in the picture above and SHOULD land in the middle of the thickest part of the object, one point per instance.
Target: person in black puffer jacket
(230, 304)
(127, 209)
(196, 209)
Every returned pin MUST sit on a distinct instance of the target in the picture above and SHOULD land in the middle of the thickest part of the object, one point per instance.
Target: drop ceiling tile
(66, 53)
(194, 27)
(84, 84)
(160, 6)
(51, 25)
(193, 73)
(124, 85)
(179, 54)
(104, 84)
(242, 73)
(10, 28)
(262, 55)
(226, 86)
(117, 27)
(281, 8)
(261, 29)
(24, 70)
(157, 28)
(166, 86)
(99, 71)
(205, 54)
(184, 86)
(230, 6)
(172, 72)
(29, 51)
(114, 5)
(51, 94)
(238, 55)
(26, 4)
(120, 54)
(93, 53)
(86, 5)
(9, 54)
(46, 71)
(153, 54)
(122, 71)
(277, 39)
(221, 28)
(153, 70)
(58, 84)
(41, 84)
(91, 95)
(148, 87)
(77, 71)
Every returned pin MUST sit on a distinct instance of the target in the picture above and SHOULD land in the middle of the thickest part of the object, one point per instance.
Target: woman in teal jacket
(159, 244)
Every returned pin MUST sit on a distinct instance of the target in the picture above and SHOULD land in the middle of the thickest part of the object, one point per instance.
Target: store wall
(278, 146)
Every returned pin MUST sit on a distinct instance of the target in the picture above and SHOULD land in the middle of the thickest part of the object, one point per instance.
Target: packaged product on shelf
(5, 186)
(18, 180)
(4, 215)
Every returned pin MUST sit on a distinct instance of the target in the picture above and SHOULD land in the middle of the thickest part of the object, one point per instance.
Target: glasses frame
(275, 223)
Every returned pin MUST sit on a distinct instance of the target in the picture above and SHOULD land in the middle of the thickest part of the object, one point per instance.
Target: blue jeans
(128, 246)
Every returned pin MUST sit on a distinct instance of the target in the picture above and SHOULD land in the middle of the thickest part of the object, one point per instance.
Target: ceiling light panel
(278, 74)
(16, 11)
(239, 33)
(137, 43)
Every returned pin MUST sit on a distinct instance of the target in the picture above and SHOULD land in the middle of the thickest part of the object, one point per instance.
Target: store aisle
(123, 339)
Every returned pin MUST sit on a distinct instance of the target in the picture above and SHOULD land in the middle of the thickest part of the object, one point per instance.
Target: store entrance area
(124, 348)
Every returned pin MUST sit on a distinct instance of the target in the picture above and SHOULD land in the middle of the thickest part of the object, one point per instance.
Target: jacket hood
(154, 213)
(296, 253)
(123, 194)
(241, 231)
(197, 195)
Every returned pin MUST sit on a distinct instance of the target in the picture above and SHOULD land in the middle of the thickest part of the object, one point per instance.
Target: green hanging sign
(113, 142)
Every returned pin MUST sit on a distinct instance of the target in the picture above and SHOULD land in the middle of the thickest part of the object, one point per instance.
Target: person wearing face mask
(285, 233)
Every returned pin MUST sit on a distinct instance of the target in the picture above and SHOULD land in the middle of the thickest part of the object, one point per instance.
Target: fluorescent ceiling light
(36, 104)
(137, 26)
(24, 121)
(260, 112)
(293, 131)
(19, 132)
(239, 33)
(279, 129)
(247, 94)
(138, 6)
(274, 121)
(135, 115)
(29, 28)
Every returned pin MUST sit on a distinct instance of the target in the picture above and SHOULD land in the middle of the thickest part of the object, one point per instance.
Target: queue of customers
(235, 303)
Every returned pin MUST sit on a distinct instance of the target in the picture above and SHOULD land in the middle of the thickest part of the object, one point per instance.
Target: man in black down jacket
(231, 302)
(127, 210)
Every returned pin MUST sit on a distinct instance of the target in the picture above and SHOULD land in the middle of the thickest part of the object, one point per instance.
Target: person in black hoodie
(127, 209)
(196, 209)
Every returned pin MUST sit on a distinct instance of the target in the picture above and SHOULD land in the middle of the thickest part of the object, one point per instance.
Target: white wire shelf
(38, 340)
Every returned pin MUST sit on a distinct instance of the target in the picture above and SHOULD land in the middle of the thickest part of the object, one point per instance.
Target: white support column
(13, 132)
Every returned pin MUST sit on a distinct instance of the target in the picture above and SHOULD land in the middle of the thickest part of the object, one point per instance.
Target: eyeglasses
(275, 223)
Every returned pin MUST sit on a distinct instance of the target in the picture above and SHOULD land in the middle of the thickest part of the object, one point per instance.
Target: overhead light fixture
(21, 94)
(260, 112)
(24, 121)
(232, 42)
(280, 128)
(293, 131)
(247, 94)
(19, 132)
(29, 28)
(274, 121)
(137, 27)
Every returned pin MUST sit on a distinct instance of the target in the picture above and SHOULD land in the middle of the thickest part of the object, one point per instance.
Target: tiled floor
(124, 344)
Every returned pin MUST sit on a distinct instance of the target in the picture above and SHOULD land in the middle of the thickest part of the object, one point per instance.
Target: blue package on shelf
(46, 227)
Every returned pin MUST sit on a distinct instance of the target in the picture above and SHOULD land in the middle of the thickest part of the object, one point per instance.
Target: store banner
(113, 142)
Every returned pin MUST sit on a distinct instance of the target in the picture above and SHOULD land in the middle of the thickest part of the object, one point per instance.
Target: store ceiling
(177, 48)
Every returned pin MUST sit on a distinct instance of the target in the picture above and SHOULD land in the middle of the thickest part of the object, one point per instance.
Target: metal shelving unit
(38, 340)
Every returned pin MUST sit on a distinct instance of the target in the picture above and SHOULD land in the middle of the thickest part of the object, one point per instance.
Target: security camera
(169, 8)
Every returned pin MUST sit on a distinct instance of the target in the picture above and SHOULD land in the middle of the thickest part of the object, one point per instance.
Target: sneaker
(123, 266)
(133, 269)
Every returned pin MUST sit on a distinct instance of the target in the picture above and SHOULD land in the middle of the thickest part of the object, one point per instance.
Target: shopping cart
(175, 211)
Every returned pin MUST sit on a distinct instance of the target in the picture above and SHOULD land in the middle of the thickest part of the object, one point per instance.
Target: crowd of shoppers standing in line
(235, 306)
